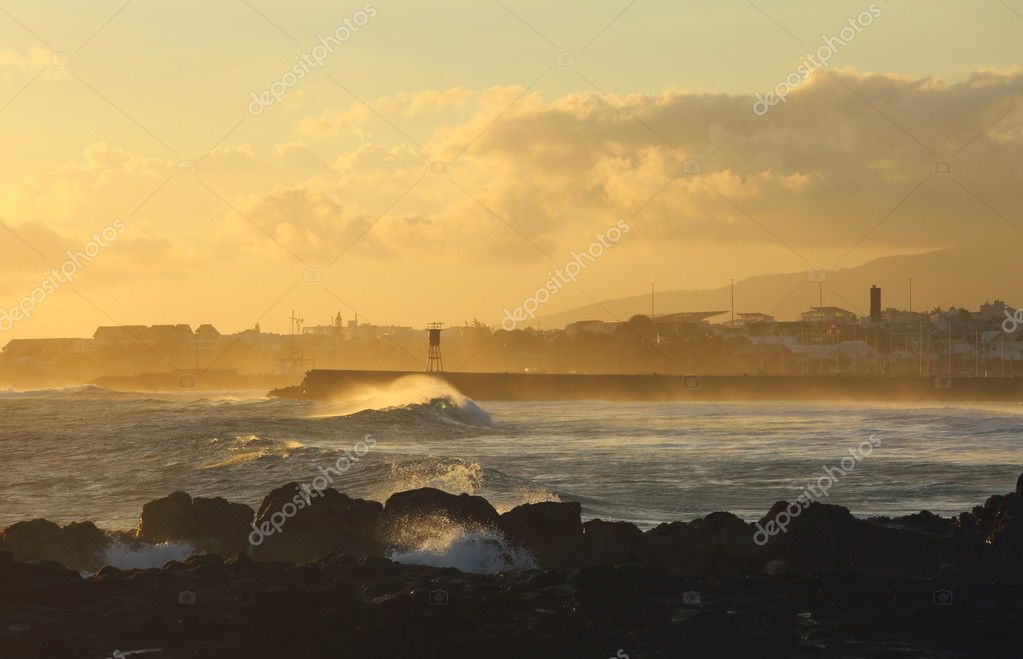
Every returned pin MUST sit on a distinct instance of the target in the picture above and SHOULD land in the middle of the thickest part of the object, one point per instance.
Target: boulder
(609, 543)
(812, 541)
(427, 502)
(290, 528)
(875, 550)
(719, 544)
(551, 531)
(827, 538)
(1004, 523)
(77, 546)
(998, 524)
(214, 525)
(924, 521)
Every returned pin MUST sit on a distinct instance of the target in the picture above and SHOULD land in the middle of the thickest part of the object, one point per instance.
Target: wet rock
(813, 540)
(827, 538)
(1005, 523)
(780, 568)
(551, 531)
(289, 527)
(718, 544)
(215, 524)
(430, 502)
(609, 543)
(78, 546)
(924, 521)
(884, 551)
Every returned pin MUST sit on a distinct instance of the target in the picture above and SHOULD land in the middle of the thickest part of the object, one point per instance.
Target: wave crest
(436, 541)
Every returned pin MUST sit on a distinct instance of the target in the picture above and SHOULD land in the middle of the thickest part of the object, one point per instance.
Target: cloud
(20, 66)
(824, 168)
(307, 221)
(406, 104)
(848, 160)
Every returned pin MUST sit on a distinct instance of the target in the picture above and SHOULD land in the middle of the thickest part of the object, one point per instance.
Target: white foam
(482, 551)
(125, 556)
(406, 391)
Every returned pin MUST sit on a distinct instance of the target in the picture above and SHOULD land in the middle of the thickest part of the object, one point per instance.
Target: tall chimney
(875, 304)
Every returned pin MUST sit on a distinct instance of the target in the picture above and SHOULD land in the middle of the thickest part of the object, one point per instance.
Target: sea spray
(421, 392)
(438, 542)
(139, 555)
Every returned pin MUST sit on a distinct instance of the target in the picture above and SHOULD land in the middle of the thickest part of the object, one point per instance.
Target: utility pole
(911, 295)
(948, 367)
(651, 301)
(732, 301)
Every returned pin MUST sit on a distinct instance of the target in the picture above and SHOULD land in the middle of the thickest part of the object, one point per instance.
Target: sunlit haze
(439, 161)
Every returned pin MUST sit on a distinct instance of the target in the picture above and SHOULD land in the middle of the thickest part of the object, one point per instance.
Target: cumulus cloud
(406, 104)
(849, 159)
(843, 152)
(308, 222)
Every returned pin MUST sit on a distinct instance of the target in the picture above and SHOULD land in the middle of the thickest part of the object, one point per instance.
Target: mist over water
(92, 454)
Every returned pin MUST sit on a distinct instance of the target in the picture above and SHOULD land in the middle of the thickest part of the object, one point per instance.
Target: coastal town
(824, 340)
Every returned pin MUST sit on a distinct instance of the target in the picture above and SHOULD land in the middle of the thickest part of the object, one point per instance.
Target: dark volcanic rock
(828, 585)
(825, 538)
(429, 502)
(609, 543)
(377, 609)
(549, 530)
(77, 546)
(329, 523)
(207, 524)
(924, 521)
(997, 525)
(1003, 522)
(883, 551)
(814, 540)
(718, 544)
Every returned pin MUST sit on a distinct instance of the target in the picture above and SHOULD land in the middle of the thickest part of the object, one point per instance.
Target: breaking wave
(127, 556)
(408, 399)
(438, 542)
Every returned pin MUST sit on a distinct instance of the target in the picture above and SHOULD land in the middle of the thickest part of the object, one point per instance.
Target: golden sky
(553, 122)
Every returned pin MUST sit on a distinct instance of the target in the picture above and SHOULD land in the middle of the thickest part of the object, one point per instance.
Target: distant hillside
(946, 277)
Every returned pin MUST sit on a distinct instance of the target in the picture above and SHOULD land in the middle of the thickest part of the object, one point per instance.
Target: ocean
(87, 453)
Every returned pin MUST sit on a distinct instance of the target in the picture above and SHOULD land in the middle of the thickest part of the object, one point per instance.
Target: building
(334, 329)
(828, 315)
(589, 326)
(37, 352)
(683, 322)
(754, 318)
(125, 335)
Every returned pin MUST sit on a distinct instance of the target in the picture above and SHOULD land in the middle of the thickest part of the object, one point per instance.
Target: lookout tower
(434, 362)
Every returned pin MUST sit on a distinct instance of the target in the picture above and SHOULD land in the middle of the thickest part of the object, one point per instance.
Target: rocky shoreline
(310, 576)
